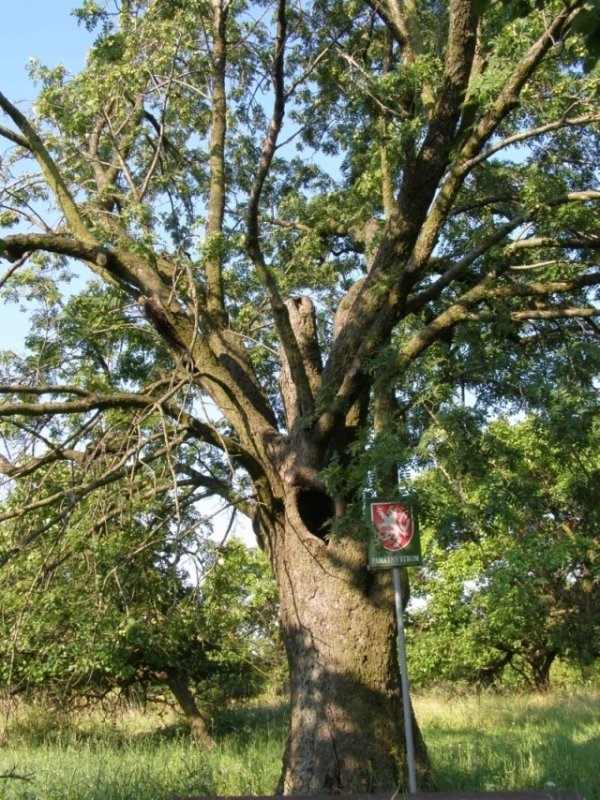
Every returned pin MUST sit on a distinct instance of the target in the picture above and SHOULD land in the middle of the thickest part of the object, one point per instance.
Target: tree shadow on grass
(253, 722)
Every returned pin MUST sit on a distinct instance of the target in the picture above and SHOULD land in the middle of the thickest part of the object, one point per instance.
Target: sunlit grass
(135, 756)
(513, 742)
(475, 743)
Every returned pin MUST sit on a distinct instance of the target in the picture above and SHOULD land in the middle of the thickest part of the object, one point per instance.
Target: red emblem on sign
(394, 524)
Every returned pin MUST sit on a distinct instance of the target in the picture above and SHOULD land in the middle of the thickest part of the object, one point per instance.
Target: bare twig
(14, 775)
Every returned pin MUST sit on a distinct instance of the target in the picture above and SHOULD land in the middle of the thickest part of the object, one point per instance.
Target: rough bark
(338, 624)
(540, 660)
(187, 702)
(301, 312)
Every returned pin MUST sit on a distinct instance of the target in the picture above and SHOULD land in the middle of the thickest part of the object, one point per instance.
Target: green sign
(394, 540)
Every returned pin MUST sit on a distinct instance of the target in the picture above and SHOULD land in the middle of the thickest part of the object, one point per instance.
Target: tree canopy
(310, 228)
(510, 514)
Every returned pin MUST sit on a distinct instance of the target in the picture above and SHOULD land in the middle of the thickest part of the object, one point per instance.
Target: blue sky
(44, 29)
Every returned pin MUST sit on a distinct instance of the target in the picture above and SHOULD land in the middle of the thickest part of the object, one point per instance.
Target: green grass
(141, 757)
(513, 742)
(509, 742)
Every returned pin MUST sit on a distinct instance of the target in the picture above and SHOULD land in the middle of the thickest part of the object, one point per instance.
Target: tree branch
(548, 313)
(540, 288)
(461, 310)
(96, 402)
(401, 17)
(120, 267)
(453, 315)
(460, 267)
(280, 311)
(376, 305)
(74, 496)
(16, 264)
(16, 138)
(566, 122)
(51, 174)
(216, 200)
(504, 104)
(14, 775)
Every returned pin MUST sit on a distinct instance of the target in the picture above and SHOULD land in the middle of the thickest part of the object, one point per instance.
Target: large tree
(303, 217)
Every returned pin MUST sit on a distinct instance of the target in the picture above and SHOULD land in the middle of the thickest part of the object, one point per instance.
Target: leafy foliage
(83, 616)
(512, 523)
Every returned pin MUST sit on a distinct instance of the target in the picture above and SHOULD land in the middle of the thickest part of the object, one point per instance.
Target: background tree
(512, 574)
(132, 604)
(391, 209)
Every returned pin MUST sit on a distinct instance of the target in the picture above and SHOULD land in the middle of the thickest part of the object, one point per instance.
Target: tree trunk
(182, 693)
(540, 662)
(488, 674)
(346, 730)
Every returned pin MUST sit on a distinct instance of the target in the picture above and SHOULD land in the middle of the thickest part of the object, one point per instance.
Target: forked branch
(280, 311)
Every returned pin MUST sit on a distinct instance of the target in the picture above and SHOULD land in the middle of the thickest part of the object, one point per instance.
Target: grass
(513, 742)
(475, 742)
(134, 756)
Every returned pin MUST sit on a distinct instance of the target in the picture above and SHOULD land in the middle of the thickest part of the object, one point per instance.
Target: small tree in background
(513, 531)
(136, 604)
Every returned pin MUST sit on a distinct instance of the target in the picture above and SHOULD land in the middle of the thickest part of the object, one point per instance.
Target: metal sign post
(395, 542)
(410, 747)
